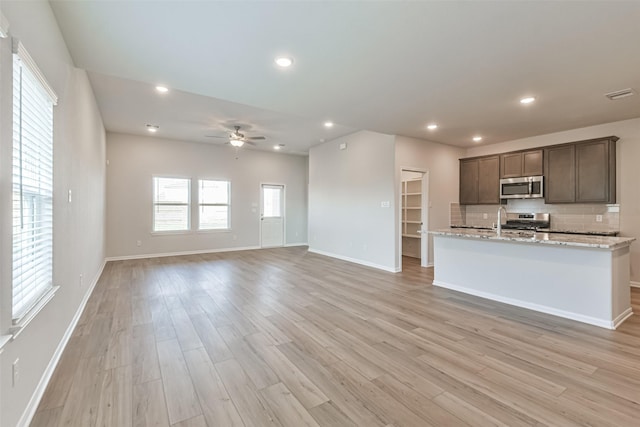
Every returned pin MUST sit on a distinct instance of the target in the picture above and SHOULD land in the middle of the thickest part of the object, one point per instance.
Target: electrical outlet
(235, 237)
(485, 216)
(15, 370)
(138, 243)
(598, 218)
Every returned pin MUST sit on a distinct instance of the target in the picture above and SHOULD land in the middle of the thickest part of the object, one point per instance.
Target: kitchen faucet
(499, 226)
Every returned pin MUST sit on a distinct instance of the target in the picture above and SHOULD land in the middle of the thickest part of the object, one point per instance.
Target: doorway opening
(271, 215)
(414, 218)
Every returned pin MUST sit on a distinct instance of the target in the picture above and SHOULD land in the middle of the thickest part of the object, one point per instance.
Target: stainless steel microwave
(529, 187)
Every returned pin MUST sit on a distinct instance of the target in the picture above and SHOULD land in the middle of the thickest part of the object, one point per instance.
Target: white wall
(134, 160)
(441, 161)
(79, 158)
(628, 172)
(346, 188)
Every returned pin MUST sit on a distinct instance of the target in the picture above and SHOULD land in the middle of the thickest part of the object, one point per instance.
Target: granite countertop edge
(612, 233)
(598, 242)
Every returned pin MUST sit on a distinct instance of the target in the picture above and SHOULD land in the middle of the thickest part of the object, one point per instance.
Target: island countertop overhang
(586, 241)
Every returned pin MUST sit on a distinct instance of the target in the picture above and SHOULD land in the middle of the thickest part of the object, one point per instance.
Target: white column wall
(346, 191)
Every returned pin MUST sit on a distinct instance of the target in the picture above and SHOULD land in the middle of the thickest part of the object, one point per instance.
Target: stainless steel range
(527, 221)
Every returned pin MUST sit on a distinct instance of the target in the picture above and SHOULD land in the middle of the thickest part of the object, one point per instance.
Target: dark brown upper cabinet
(522, 163)
(468, 181)
(581, 172)
(560, 176)
(480, 180)
(596, 171)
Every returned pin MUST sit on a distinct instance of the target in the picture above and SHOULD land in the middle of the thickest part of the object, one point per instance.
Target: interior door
(272, 216)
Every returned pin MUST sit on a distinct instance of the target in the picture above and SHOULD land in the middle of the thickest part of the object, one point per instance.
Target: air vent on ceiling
(619, 94)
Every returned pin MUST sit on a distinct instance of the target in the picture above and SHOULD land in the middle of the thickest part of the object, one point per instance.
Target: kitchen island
(579, 277)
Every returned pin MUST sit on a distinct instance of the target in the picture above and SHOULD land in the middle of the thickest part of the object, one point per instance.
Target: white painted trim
(30, 410)
(20, 324)
(603, 323)
(623, 316)
(289, 245)
(28, 61)
(634, 284)
(355, 261)
(4, 26)
(167, 254)
(3, 340)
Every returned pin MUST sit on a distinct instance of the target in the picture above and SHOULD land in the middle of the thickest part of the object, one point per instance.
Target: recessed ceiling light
(153, 128)
(432, 126)
(328, 124)
(276, 147)
(477, 138)
(162, 89)
(527, 100)
(284, 61)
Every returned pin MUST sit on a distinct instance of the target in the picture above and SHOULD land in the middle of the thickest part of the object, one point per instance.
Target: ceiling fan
(238, 139)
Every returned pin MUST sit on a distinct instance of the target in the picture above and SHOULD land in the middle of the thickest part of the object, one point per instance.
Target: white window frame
(155, 203)
(201, 205)
(39, 260)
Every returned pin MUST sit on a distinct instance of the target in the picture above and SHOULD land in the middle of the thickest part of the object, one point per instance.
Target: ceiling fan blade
(250, 143)
(256, 137)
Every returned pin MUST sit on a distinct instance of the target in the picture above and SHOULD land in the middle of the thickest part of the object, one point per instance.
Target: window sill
(217, 230)
(4, 339)
(170, 232)
(19, 326)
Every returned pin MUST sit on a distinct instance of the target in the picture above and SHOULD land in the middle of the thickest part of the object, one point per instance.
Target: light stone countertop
(611, 233)
(598, 242)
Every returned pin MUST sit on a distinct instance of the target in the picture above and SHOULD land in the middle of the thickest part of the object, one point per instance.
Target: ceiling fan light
(236, 142)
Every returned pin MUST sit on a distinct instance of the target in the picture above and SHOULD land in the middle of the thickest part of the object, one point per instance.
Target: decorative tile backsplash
(570, 217)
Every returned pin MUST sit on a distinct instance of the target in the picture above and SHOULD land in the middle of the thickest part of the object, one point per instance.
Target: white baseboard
(355, 261)
(623, 316)
(30, 410)
(634, 284)
(289, 245)
(603, 323)
(166, 254)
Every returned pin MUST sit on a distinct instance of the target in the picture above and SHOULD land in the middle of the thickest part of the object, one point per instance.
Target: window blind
(171, 204)
(213, 198)
(32, 184)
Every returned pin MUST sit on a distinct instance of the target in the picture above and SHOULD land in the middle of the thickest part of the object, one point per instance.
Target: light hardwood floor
(282, 337)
